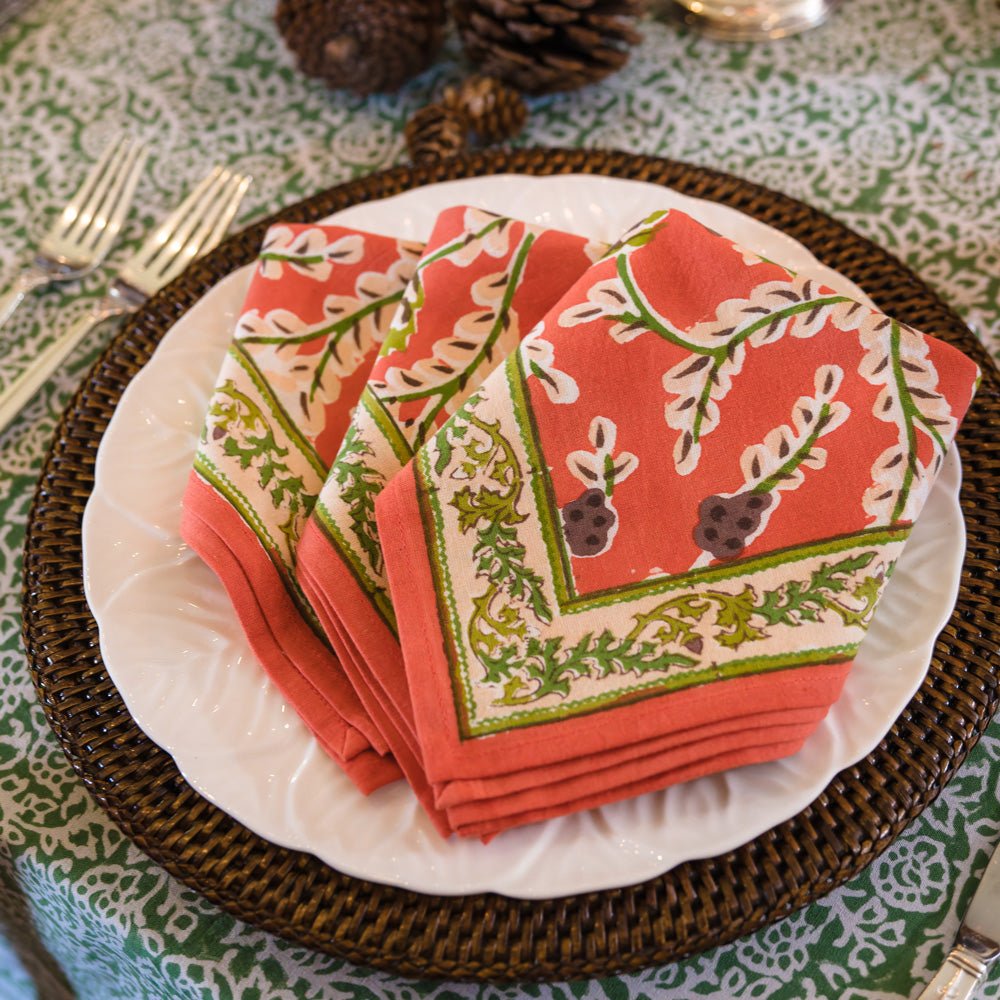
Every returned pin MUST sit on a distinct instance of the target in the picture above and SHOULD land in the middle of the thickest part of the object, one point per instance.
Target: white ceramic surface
(173, 647)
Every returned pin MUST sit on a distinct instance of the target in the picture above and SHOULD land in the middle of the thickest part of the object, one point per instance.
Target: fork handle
(958, 977)
(19, 392)
(23, 283)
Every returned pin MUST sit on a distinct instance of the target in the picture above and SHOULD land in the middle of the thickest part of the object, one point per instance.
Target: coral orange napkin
(317, 310)
(482, 283)
(673, 508)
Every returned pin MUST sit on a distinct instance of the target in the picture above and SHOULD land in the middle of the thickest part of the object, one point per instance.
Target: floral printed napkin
(316, 313)
(648, 547)
(482, 283)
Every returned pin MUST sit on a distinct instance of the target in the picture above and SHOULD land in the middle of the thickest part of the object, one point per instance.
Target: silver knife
(978, 942)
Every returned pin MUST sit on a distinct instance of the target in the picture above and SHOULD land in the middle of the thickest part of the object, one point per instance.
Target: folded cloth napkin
(481, 284)
(317, 310)
(648, 547)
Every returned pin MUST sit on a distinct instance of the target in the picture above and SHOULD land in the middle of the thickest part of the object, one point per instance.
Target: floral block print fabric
(316, 313)
(482, 283)
(675, 506)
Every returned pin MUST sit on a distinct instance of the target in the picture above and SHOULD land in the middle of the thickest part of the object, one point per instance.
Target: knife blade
(977, 944)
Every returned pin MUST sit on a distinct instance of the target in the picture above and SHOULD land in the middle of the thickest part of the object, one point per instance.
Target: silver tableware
(196, 226)
(82, 235)
(977, 945)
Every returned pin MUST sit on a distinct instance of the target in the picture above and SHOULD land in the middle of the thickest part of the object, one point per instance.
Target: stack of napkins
(567, 524)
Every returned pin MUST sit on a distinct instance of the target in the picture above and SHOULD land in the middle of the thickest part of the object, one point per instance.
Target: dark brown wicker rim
(697, 905)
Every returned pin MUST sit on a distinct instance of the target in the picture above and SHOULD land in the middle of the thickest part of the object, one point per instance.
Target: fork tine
(179, 241)
(119, 199)
(71, 212)
(89, 210)
(240, 186)
(164, 237)
(213, 227)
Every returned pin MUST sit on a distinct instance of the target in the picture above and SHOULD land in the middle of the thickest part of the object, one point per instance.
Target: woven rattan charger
(697, 905)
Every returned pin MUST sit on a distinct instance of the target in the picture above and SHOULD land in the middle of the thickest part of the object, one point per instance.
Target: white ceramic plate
(173, 647)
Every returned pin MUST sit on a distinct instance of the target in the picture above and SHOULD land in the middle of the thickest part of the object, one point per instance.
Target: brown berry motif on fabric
(590, 522)
(726, 522)
(729, 522)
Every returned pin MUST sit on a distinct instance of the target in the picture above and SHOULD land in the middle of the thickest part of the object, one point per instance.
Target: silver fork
(197, 225)
(82, 235)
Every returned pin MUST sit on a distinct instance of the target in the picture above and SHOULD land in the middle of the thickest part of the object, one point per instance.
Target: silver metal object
(82, 235)
(978, 942)
(753, 20)
(197, 225)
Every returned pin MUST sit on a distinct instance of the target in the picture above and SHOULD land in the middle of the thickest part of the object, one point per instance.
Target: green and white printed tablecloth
(888, 118)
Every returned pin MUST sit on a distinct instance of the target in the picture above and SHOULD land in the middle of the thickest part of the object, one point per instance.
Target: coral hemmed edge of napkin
(679, 501)
(317, 309)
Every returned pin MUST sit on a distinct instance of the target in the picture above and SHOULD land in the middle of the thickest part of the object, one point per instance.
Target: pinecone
(725, 523)
(545, 45)
(368, 46)
(495, 110)
(435, 132)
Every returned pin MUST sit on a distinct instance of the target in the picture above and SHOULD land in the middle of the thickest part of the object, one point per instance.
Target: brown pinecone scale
(368, 46)
(495, 110)
(725, 523)
(546, 45)
(435, 132)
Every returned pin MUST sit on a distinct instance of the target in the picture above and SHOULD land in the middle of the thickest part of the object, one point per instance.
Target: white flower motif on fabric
(696, 386)
(594, 250)
(799, 307)
(281, 323)
(308, 253)
(538, 356)
(461, 354)
(896, 358)
(812, 417)
(605, 299)
(486, 233)
(784, 303)
(601, 467)
(730, 522)
(304, 389)
(591, 521)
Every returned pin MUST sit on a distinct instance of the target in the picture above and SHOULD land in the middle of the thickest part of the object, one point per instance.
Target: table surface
(888, 118)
